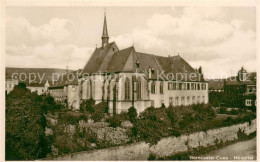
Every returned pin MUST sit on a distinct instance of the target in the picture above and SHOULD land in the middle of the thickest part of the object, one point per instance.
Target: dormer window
(153, 70)
(137, 64)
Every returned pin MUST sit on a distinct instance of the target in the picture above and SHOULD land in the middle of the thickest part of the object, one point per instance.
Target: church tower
(105, 38)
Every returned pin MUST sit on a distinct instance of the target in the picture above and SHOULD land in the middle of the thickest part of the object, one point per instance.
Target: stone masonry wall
(165, 147)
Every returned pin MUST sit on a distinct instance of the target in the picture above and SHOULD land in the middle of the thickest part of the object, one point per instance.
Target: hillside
(46, 73)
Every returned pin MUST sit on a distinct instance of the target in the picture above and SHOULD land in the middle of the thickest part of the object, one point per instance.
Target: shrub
(152, 156)
(222, 110)
(87, 106)
(99, 111)
(114, 122)
(175, 132)
(234, 112)
(151, 125)
(229, 120)
(72, 118)
(132, 114)
(163, 105)
(241, 134)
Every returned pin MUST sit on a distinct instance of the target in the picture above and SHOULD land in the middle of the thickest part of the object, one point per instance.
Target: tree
(50, 105)
(151, 125)
(132, 114)
(25, 125)
(87, 106)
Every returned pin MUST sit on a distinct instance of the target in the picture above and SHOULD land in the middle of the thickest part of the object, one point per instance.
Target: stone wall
(165, 147)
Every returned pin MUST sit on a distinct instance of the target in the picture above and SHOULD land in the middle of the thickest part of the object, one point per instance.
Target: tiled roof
(126, 60)
(68, 79)
(177, 66)
(118, 60)
(96, 59)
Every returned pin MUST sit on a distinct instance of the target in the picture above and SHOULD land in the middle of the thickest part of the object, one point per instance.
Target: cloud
(49, 55)
(56, 30)
(212, 37)
(202, 35)
(43, 45)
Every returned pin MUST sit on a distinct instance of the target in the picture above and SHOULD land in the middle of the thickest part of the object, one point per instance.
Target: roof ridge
(92, 55)
(158, 63)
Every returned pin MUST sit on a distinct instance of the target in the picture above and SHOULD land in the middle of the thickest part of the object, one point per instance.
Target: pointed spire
(105, 37)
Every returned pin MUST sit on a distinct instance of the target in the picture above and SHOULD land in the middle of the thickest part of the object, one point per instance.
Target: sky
(219, 39)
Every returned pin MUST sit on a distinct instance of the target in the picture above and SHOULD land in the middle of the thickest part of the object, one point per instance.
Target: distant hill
(46, 73)
(217, 84)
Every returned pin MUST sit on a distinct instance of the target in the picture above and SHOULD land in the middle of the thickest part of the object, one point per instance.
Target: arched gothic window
(161, 88)
(108, 92)
(127, 89)
(89, 89)
(153, 88)
(138, 89)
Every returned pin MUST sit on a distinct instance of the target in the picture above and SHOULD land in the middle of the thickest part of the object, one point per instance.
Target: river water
(245, 150)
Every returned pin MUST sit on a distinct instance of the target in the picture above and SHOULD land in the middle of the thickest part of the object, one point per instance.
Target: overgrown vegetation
(217, 99)
(149, 126)
(155, 123)
(25, 124)
(98, 130)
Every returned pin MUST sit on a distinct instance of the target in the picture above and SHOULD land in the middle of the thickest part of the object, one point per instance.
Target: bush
(114, 122)
(72, 118)
(99, 111)
(151, 125)
(25, 125)
(216, 98)
(241, 134)
(132, 114)
(234, 112)
(222, 110)
(229, 121)
(87, 106)
(152, 156)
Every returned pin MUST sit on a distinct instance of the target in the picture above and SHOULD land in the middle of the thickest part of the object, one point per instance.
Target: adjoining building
(9, 84)
(240, 91)
(66, 90)
(126, 78)
(39, 88)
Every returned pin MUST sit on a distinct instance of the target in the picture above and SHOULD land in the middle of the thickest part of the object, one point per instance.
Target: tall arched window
(88, 89)
(153, 88)
(161, 88)
(138, 89)
(127, 89)
(108, 92)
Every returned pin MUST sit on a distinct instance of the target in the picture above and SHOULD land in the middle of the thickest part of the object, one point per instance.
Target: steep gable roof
(119, 60)
(96, 59)
(107, 61)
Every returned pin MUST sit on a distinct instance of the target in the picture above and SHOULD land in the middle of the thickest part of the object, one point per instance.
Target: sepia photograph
(114, 81)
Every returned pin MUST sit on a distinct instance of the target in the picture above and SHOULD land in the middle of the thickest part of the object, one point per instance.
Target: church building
(127, 78)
